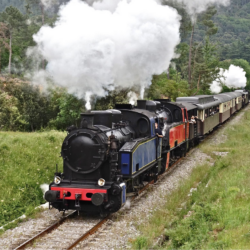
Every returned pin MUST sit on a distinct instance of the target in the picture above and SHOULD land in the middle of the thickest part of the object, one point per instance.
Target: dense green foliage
(16, 3)
(233, 30)
(219, 39)
(25, 107)
(27, 160)
(164, 86)
(215, 215)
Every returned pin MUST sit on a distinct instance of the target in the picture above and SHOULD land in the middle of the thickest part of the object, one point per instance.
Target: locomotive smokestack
(87, 120)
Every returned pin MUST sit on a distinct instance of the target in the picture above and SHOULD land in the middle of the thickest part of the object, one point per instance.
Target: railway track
(59, 234)
(65, 233)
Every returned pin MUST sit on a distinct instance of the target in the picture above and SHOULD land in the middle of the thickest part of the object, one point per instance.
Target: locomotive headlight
(101, 182)
(57, 180)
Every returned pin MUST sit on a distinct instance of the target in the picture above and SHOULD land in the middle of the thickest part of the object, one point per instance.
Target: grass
(27, 160)
(217, 215)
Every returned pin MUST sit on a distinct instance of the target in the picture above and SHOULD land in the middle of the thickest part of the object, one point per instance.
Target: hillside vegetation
(220, 39)
(233, 35)
(27, 160)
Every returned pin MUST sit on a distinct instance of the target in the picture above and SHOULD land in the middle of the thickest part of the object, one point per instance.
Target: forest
(217, 39)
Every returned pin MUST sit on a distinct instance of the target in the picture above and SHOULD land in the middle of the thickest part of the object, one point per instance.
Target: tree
(69, 109)
(205, 65)
(206, 20)
(113, 97)
(3, 40)
(13, 19)
(40, 4)
(162, 87)
(190, 57)
(10, 118)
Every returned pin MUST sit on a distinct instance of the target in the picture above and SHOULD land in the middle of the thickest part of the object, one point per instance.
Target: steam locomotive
(113, 152)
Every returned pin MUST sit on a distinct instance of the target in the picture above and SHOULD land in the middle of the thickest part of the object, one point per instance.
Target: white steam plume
(45, 188)
(132, 97)
(93, 51)
(87, 98)
(195, 7)
(234, 77)
(110, 5)
(215, 87)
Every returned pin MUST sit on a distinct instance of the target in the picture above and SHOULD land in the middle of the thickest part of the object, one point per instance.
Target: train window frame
(142, 119)
(177, 115)
(217, 109)
(206, 113)
(201, 114)
(185, 115)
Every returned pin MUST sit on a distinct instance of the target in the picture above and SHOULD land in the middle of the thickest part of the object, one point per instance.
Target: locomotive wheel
(116, 204)
(104, 214)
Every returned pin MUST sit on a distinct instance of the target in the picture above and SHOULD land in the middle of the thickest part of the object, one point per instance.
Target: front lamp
(101, 182)
(57, 180)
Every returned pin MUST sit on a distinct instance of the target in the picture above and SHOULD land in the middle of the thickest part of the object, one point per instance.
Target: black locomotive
(113, 152)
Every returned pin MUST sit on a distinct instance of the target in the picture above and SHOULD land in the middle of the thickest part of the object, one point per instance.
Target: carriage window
(216, 109)
(206, 113)
(177, 114)
(169, 117)
(211, 111)
(190, 113)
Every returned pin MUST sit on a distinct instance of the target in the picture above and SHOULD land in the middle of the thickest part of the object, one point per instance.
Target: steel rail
(98, 225)
(88, 233)
(47, 230)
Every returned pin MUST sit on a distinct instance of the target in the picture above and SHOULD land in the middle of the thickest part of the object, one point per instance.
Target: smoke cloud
(92, 51)
(110, 5)
(45, 188)
(132, 97)
(194, 7)
(234, 77)
(215, 87)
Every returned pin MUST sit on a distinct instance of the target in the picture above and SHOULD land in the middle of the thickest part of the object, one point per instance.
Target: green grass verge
(217, 215)
(27, 160)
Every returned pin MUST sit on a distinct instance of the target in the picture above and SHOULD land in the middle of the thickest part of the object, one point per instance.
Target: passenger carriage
(207, 112)
(225, 107)
(245, 97)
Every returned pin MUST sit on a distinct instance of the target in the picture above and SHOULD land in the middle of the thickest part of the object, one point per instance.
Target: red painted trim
(75, 191)
(178, 134)
(183, 117)
(167, 162)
